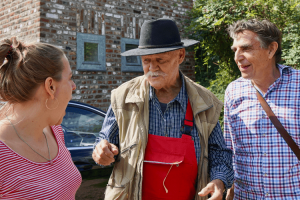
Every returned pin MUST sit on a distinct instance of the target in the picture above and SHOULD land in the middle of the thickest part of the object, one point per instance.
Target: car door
(81, 125)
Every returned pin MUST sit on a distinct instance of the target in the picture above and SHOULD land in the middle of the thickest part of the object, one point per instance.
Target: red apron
(170, 167)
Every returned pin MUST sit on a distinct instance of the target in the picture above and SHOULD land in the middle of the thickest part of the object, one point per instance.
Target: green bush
(215, 67)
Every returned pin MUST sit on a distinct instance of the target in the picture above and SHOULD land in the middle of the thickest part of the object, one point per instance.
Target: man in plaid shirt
(265, 167)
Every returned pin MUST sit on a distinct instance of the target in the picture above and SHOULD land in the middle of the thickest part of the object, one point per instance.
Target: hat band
(160, 46)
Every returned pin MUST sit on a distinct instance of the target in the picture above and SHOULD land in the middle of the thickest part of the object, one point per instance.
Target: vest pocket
(124, 168)
(116, 192)
(128, 149)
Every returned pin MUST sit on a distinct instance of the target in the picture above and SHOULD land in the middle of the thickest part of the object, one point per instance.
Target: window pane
(90, 52)
(131, 59)
(81, 127)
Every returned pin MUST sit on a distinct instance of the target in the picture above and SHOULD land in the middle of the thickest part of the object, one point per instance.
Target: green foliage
(291, 45)
(215, 66)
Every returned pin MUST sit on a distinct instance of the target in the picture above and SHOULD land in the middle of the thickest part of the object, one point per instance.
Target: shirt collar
(181, 98)
(282, 69)
(281, 79)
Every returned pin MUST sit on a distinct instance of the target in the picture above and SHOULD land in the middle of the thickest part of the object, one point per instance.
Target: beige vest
(130, 104)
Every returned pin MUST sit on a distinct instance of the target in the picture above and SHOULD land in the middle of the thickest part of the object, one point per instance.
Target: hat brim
(150, 51)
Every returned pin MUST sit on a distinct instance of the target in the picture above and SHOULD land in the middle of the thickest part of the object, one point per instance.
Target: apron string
(175, 163)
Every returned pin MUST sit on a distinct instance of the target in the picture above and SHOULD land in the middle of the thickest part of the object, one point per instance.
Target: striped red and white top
(21, 178)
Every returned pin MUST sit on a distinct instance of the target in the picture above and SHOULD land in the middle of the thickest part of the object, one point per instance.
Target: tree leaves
(215, 67)
(208, 24)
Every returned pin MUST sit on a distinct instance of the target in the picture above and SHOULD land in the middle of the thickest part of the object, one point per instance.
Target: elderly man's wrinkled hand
(215, 188)
(104, 153)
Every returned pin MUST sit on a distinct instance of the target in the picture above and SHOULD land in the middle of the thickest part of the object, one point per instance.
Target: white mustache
(157, 73)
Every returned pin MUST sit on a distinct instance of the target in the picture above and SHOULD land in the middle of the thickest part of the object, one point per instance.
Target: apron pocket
(158, 166)
(162, 158)
(169, 168)
(124, 168)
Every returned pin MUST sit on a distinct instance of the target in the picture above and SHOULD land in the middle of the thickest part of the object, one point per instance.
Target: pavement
(93, 183)
(92, 189)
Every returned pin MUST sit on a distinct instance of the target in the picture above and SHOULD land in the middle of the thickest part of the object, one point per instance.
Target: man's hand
(104, 153)
(230, 193)
(215, 188)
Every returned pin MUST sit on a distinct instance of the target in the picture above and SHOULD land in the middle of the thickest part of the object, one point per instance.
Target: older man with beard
(162, 128)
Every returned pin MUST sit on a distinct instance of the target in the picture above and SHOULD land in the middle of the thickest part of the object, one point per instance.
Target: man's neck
(266, 80)
(165, 95)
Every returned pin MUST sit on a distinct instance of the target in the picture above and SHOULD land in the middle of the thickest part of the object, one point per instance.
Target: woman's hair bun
(25, 66)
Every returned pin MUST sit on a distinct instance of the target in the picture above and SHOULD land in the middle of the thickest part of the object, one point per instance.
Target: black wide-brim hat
(159, 36)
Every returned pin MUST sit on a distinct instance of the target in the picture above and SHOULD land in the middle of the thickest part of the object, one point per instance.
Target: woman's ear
(272, 49)
(50, 87)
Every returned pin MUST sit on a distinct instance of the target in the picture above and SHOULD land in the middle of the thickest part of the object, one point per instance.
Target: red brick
(111, 78)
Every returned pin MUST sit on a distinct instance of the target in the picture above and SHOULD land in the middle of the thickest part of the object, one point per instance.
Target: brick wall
(60, 20)
(20, 18)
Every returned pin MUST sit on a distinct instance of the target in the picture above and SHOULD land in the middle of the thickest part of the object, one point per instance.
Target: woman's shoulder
(57, 129)
(58, 132)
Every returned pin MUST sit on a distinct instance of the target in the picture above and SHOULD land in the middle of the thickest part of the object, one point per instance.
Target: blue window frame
(130, 63)
(90, 52)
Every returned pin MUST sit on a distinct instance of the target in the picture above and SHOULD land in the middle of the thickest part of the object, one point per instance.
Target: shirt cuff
(99, 139)
(222, 177)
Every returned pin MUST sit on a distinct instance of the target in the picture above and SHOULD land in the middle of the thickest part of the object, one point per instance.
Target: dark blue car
(81, 125)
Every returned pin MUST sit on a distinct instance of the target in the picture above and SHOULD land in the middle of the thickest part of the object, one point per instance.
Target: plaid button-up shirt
(264, 165)
(169, 124)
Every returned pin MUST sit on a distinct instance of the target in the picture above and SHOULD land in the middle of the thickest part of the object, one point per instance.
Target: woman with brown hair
(35, 86)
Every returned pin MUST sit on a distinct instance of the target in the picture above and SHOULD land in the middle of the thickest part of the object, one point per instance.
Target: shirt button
(265, 154)
(267, 194)
(264, 134)
(265, 175)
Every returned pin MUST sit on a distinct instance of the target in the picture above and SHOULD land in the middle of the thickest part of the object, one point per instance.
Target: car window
(81, 127)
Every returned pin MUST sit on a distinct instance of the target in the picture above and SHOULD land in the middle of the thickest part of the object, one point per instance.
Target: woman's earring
(46, 103)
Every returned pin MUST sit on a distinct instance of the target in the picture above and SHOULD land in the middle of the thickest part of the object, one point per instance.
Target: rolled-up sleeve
(220, 158)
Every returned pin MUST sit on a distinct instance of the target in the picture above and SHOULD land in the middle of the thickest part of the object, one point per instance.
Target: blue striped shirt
(169, 123)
